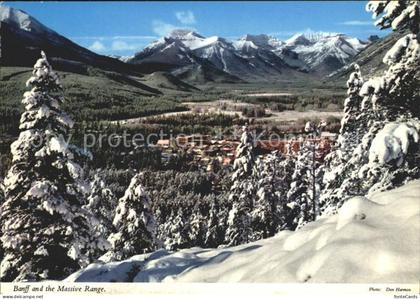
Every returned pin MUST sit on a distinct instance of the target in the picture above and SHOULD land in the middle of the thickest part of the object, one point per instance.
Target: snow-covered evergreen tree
(287, 167)
(396, 94)
(198, 227)
(269, 214)
(239, 228)
(178, 228)
(244, 163)
(351, 131)
(216, 225)
(353, 127)
(46, 233)
(303, 196)
(134, 223)
(391, 99)
(398, 15)
(395, 100)
(102, 202)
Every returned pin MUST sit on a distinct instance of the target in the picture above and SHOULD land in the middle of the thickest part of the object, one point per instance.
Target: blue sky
(123, 28)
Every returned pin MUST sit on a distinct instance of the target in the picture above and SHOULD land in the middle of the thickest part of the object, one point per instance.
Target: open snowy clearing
(371, 240)
(292, 115)
(284, 116)
(230, 107)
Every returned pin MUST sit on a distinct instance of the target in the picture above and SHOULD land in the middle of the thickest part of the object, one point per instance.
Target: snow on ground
(232, 108)
(373, 240)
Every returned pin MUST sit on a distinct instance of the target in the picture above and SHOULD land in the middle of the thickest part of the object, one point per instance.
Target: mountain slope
(203, 73)
(23, 38)
(371, 240)
(163, 80)
(370, 59)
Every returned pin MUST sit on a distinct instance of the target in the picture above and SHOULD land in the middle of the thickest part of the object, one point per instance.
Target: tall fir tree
(198, 227)
(353, 127)
(134, 223)
(46, 233)
(239, 230)
(288, 209)
(270, 204)
(178, 231)
(303, 196)
(102, 203)
(216, 224)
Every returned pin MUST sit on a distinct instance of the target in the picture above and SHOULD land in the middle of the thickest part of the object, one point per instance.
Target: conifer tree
(134, 223)
(101, 202)
(353, 127)
(270, 200)
(306, 185)
(216, 225)
(239, 229)
(46, 233)
(395, 99)
(178, 228)
(391, 99)
(198, 227)
(244, 160)
(239, 224)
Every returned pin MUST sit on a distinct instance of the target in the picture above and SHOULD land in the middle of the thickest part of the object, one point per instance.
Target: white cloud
(97, 46)
(120, 45)
(357, 23)
(185, 17)
(162, 28)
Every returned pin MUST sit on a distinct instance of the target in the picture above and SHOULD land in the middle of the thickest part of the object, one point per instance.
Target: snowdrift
(373, 240)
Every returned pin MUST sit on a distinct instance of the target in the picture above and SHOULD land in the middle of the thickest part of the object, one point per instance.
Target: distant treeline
(328, 102)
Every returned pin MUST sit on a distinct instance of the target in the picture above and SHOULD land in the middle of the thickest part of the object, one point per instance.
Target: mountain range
(252, 57)
(185, 55)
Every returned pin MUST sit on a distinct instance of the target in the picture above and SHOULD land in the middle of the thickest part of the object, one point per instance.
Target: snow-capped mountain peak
(298, 39)
(20, 19)
(324, 51)
(183, 34)
(305, 38)
(188, 39)
(260, 40)
(244, 45)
